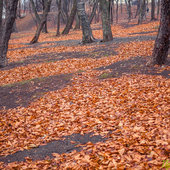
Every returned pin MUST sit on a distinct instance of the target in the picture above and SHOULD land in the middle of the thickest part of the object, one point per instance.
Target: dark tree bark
(138, 8)
(15, 29)
(45, 25)
(86, 29)
(111, 11)
(77, 26)
(42, 23)
(128, 6)
(117, 10)
(107, 33)
(153, 10)
(161, 46)
(93, 11)
(66, 8)
(1, 13)
(158, 8)
(142, 11)
(129, 11)
(121, 8)
(7, 30)
(58, 17)
(35, 12)
(71, 18)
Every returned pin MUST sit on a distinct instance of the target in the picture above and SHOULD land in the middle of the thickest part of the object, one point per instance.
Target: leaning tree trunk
(71, 18)
(58, 17)
(161, 46)
(107, 33)
(1, 14)
(93, 11)
(86, 29)
(35, 12)
(42, 23)
(6, 34)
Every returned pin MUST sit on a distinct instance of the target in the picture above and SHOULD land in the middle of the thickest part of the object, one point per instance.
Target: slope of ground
(96, 106)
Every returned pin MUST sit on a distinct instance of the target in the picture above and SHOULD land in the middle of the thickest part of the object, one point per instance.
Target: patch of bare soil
(135, 65)
(23, 93)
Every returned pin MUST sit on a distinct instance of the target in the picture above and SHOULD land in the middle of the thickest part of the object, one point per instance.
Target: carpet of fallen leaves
(133, 108)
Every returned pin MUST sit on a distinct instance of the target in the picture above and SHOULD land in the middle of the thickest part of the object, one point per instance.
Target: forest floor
(100, 105)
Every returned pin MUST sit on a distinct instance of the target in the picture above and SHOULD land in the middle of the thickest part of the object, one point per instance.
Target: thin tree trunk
(45, 25)
(93, 11)
(71, 18)
(86, 29)
(1, 15)
(129, 11)
(42, 23)
(58, 17)
(161, 46)
(111, 12)
(138, 8)
(153, 10)
(121, 9)
(6, 34)
(158, 8)
(117, 10)
(107, 33)
(35, 12)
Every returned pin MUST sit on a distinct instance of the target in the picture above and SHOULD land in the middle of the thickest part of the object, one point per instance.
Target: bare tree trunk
(77, 26)
(6, 34)
(1, 14)
(158, 8)
(71, 18)
(121, 8)
(107, 33)
(58, 17)
(93, 11)
(15, 29)
(45, 25)
(138, 8)
(142, 11)
(35, 12)
(86, 29)
(111, 11)
(161, 46)
(117, 10)
(153, 10)
(43, 20)
(129, 11)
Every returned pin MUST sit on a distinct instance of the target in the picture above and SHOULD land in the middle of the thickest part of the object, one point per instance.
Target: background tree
(86, 29)
(142, 10)
(161, 46)
(1, 16)
(58, 16)
(153, 10)
(93, 11)
(71, 18)
(107, 33)
(42, 23)
(7, 30)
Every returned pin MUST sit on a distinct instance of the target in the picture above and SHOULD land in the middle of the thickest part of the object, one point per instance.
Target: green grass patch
(105, 76)
(80, 71)
(22, 82)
